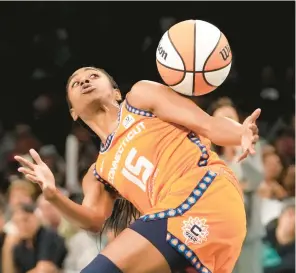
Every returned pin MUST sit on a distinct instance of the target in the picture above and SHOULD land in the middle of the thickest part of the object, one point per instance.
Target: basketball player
(155, 153)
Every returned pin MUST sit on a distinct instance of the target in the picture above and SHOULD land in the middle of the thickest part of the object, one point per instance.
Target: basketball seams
(203, 75)
(203, 71)
(199, 65)
(216, 69)
(204, 66)
(174, 69)
(212, 51)
(194, 56)
(184, 71)
(216, 84)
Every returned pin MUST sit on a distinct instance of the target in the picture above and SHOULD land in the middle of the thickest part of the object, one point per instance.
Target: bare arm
(97, 204)
(96, 207)
(171, 107)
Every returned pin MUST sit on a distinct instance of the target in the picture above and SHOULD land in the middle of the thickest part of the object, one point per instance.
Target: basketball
(193, 57)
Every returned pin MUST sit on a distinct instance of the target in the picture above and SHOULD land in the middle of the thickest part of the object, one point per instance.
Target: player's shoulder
(143, 84)
(144, 89)
(143, 93)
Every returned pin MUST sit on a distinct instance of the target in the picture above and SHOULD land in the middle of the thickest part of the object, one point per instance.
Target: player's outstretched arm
(97, 204)
(172, 107)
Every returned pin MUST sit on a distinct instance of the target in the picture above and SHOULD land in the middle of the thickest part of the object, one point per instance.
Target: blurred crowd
(33, 236)
(32, 230)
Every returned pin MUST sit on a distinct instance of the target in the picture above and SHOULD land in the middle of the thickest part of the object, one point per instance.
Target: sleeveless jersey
(144, 156)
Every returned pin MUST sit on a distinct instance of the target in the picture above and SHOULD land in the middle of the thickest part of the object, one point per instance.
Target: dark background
(58, 37)
(42, 43)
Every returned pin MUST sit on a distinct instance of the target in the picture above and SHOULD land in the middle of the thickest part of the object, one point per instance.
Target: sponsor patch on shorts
(195, 230)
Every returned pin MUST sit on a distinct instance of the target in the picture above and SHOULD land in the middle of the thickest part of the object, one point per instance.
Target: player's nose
(84, 81)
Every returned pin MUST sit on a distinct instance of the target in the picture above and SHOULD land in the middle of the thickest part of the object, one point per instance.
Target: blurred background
(42, 43)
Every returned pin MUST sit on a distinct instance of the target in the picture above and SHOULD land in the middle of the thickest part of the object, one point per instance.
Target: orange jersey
(166, 171)
(146, 155)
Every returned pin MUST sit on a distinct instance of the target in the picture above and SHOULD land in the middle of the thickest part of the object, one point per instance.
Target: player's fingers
(33, 179)
(26, 171)
(36, 156)
(255, 115)
(24, 162)
(243, 156)
(253, 127)
(255, 139)
(252, 150)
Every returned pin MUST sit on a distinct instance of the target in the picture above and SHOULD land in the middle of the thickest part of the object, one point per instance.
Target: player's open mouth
(88, 89)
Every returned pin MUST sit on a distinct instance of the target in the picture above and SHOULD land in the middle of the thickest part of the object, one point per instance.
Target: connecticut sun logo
(195, 230)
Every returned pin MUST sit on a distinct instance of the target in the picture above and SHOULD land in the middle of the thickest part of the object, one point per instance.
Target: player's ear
(118, 96)
(73, 114)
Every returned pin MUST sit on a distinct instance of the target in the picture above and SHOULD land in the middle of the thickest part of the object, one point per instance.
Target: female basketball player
(155, 153)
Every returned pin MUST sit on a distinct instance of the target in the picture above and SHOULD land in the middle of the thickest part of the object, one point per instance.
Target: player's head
(89, 90)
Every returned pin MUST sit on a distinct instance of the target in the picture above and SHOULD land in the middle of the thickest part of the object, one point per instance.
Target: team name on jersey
(137, 130)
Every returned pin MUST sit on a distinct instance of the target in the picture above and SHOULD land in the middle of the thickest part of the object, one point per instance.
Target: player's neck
(105, 121)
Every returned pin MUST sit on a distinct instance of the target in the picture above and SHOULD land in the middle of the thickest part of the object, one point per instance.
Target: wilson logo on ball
(162, 52)
(225, 52)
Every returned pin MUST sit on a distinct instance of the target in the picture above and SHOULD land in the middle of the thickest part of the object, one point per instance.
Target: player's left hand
(250, 135)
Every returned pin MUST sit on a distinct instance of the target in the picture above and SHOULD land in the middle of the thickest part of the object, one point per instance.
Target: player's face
(89, 88)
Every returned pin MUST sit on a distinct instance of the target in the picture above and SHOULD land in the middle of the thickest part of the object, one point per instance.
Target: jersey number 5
(132, 172)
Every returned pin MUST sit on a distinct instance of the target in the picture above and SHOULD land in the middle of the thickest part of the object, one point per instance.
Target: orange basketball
(193, 57)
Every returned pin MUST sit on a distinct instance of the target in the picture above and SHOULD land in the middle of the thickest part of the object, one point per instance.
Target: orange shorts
(206, 219)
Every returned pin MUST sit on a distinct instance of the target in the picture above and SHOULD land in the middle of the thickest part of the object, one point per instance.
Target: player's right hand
(250, 135)
(38, 172)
